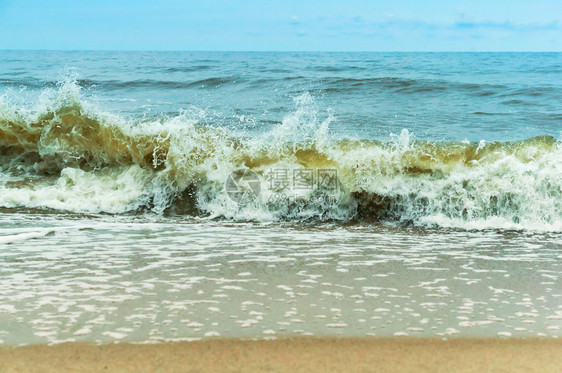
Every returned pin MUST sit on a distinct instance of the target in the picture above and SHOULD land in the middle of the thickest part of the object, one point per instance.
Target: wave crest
(72, 157)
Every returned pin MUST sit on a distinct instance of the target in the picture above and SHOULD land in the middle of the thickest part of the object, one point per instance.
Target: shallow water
(70, 278)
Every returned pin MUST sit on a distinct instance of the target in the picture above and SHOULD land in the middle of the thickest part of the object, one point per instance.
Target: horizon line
(278, 51)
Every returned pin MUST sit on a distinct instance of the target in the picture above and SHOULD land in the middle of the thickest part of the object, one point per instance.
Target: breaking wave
(70, 156)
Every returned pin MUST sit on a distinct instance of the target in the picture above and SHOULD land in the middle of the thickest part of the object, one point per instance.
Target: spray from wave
(69, 156)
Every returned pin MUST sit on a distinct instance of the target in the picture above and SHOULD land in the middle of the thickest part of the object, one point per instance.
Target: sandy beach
(293, 355)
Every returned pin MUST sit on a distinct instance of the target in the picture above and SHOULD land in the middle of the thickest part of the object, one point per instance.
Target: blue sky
(350, 25)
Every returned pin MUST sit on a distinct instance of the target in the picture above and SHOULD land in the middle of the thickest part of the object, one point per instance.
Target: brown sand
(293, 355)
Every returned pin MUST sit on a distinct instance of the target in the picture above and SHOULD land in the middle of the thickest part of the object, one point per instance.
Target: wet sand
(293, 355)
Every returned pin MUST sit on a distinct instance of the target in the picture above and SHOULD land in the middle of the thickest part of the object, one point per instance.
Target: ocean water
(151, 196)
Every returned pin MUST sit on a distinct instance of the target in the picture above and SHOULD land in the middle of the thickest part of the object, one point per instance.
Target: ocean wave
(70, 156)
(109, 85)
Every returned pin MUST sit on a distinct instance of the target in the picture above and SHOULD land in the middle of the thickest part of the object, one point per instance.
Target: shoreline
(303, 354)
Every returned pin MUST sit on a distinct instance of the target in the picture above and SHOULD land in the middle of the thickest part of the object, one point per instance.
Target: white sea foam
(68, 155)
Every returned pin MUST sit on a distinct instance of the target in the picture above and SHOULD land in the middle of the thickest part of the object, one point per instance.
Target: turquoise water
(436, 96)
(153, 197)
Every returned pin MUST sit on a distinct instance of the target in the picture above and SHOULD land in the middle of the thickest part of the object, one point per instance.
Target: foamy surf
(68, 155)
(14, 235)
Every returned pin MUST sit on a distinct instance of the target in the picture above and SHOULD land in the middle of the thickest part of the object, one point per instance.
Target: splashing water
(68, 155)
